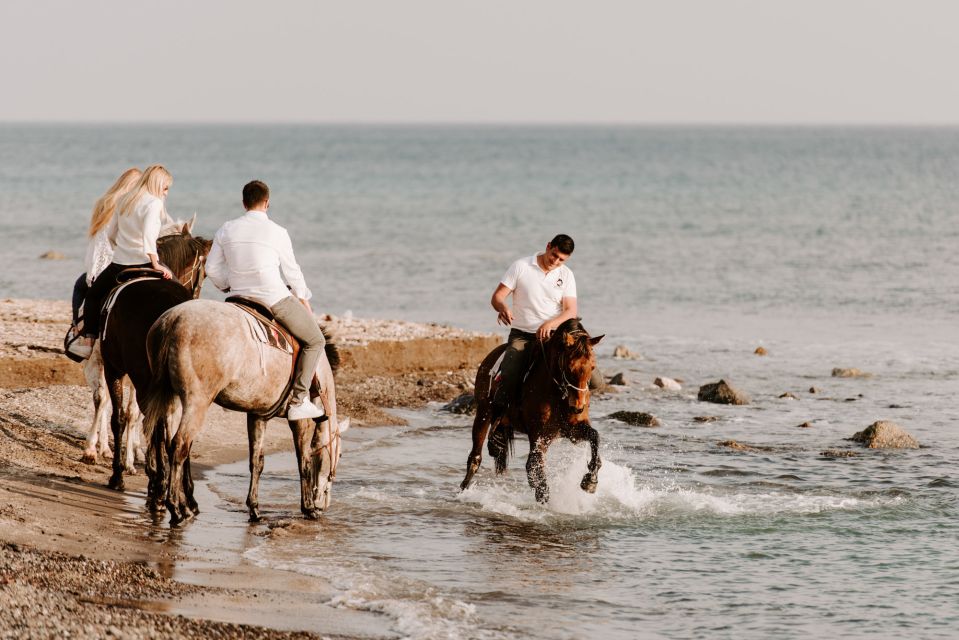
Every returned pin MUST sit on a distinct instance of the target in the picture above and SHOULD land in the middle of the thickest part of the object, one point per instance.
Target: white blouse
(135, 234)
(99, 254)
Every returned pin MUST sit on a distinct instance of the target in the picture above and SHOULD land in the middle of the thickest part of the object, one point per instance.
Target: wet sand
(80, 560)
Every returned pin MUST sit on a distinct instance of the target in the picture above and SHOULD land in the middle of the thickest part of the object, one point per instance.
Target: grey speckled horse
(202, 352)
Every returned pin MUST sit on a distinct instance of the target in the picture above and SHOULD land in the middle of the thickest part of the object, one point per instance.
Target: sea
(827, 246)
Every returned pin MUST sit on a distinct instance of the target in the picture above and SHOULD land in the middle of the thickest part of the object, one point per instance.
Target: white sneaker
(303, 410)
(80, 350)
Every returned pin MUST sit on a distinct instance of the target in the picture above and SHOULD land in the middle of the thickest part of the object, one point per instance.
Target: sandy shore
(78, 560)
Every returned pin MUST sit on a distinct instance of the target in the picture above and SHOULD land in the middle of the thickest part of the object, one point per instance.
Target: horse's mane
(581, 346)
(332, 352)
(178, 251)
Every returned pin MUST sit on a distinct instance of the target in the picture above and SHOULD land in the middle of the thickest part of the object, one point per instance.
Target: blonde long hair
(106, 204)
(153, 180)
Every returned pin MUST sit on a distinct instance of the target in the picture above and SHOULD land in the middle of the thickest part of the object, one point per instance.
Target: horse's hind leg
(585, 431)
(254, 429)
(536, 470)
(115, 386)
(131, 418)
(180, 485)
(156, 466)
(302, 436)
(480, 430)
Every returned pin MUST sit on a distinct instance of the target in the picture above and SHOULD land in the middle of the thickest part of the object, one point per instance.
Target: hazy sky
(671, 61)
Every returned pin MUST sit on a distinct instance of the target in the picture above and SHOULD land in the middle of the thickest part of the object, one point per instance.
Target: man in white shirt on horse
(544, 297)
(252, 256)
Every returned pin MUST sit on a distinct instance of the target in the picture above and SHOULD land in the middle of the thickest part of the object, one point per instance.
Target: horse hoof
(542, 497)
(255, 515)
(116, 483)
(89, 458)
(312, 514)
(589, 483)
(130, 471)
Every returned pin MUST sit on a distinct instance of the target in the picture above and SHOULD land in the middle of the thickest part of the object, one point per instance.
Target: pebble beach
(79, 560)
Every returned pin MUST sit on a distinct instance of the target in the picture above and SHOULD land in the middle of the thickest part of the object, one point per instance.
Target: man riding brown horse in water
(252, 256)
(544, 297)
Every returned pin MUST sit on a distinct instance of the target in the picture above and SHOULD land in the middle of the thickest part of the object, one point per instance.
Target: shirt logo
(559, 282)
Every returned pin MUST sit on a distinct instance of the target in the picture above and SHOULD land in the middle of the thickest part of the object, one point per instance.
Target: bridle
(199, 270)
(333, 451)
(564, 385)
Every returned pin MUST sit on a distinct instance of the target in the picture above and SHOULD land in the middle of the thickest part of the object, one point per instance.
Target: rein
(328, 446)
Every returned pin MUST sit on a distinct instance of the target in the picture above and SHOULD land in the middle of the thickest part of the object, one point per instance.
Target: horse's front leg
(585, 431)
(302, 436)
(536, 469)
(115, 386)
(98, 438)
(255, 428)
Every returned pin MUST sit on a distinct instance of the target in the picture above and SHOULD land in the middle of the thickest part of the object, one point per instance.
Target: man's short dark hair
(563, 243)
(255, 193)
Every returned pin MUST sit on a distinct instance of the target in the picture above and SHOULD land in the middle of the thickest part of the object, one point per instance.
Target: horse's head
(327, 449)
(185, 255)
(571, 363)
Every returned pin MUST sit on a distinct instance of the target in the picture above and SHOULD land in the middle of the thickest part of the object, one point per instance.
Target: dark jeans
(98, 293)
(79, 294)
(515, 363)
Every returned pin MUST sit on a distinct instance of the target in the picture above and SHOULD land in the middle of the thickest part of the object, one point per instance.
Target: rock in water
(760, 351)
(838, 453)
(668, 383)
(463, 404)
(885, 435)
(619, 379)
(739, 446)
(722, 393)
(840, 372)
(52, 255)
(705, 418)
(636, 418)
(623, 353)
(788, 396)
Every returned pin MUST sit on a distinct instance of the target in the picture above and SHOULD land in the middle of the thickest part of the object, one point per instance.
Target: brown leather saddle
(275, 335)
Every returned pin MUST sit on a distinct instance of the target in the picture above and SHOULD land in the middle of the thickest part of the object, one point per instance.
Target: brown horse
(136, 308)
(554, 403)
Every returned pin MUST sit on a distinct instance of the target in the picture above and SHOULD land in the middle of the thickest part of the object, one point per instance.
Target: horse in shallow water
(136, 306)
(203, 352)
(554, 403)
(174, 249)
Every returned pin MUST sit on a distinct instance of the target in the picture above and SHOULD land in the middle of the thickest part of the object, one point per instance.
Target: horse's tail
(500, 445)
(160, 395)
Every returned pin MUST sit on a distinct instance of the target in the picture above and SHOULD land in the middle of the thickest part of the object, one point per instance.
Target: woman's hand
(167, 274)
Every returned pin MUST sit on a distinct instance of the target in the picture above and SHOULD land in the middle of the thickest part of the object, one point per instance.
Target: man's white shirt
(537, 295)
(253, 256)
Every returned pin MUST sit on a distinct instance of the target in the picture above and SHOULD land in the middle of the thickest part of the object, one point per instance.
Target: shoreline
(77, 558)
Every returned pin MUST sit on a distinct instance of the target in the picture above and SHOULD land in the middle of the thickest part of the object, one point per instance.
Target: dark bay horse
(203, 352)
(137, 306)
(554, 403)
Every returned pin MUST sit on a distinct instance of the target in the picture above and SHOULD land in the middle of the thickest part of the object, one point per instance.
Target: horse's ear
(595, 341)
(569, 340)
(188, 226)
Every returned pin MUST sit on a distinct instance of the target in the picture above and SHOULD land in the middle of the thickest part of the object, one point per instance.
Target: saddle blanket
(265, 332)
